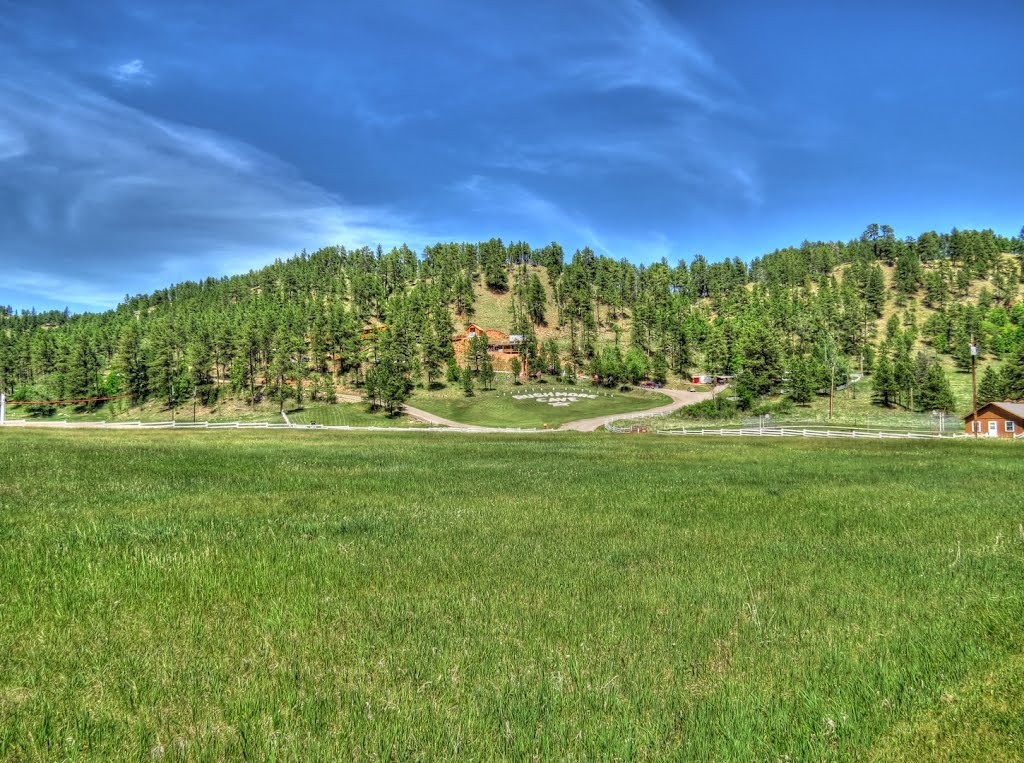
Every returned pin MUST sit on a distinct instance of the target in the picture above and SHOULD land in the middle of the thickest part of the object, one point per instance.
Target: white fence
(253, 425)
(151, 424)
(849, 434)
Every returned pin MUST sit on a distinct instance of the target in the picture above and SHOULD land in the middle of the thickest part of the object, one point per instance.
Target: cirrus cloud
(132, 72)
(94, 191)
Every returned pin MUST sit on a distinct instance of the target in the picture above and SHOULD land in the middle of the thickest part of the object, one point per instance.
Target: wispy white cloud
(132, 72)
(639, 46)
(12, 142)
(381, 118)
(748, 185)
(59, 291)
(93, 191)
(587, 154)
(518, 205)
(694, 133)
(695, 154)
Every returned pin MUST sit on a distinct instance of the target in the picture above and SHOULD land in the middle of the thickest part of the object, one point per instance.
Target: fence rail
(257, 425)
(849, 434)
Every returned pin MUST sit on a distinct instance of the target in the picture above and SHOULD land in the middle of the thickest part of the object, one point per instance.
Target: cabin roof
(1016, 410)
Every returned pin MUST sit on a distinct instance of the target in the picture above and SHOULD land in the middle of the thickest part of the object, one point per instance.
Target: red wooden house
(1004, 420)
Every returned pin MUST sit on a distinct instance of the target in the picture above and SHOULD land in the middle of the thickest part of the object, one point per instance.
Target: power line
(65, 402)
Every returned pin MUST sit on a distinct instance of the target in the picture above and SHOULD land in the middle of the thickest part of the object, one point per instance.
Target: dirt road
(679, 399)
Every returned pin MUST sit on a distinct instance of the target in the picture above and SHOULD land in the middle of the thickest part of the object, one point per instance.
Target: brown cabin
(497, 341)
(1004, 420)
(368, 331)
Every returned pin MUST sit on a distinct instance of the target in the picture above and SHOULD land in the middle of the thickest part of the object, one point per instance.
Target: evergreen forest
(793, 321)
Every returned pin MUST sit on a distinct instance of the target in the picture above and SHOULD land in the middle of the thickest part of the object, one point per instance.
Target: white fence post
(3, 408)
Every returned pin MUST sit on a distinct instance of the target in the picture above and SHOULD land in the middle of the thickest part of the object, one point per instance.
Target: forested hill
(792, 318)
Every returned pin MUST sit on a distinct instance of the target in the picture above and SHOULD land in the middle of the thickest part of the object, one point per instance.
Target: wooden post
(975, 425)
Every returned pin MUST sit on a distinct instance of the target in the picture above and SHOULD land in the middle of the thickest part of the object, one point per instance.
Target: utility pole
(173, 402)
(193, 404)
(975, 425)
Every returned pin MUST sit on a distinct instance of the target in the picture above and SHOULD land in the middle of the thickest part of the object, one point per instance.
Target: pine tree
(553, 358)
(717, 357)
(659, 367)
(433, 355)
(1013, 376)
(875, 290)
(386, 385)
(829, 359)
(991, 387)
(635, 365)
(760, 364)
(904, 376)
(803, 381)
(199, 361)
(907, 275)
(132, 364)
(83, 369)
(535, 299)
(486, 372)
(452, 374)
(477, 352)
(493, 262)
(164, 366)
(936, 394)
(934, 289)
(281, 370)
(884, 382)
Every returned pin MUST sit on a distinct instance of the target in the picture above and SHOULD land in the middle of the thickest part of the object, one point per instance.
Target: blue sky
(143, 143)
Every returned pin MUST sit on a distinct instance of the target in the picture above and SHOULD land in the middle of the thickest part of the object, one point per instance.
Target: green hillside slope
(788, 323)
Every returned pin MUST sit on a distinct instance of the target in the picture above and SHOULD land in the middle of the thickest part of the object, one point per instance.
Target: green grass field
(499, 408)
(301, 595)
(348, 415)
(228, 409)
(853, 408)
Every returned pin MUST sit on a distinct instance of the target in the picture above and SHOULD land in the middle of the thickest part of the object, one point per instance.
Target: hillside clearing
(534, 405)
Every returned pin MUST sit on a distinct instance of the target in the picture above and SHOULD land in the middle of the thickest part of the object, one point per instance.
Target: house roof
(1014, 409)
(493, 335)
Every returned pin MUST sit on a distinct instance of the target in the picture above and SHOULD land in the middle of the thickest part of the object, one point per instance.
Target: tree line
(799, 320)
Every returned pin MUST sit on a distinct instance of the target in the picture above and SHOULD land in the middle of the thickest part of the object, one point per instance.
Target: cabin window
(1009, 426)
(976, 427)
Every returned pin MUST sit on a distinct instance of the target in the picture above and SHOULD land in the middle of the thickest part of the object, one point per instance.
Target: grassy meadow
(348, 415)
(498, 407)
(117, 411)
(854, 407)
(309, 595)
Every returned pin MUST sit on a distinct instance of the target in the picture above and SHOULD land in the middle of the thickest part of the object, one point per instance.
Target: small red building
(1004, 420)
